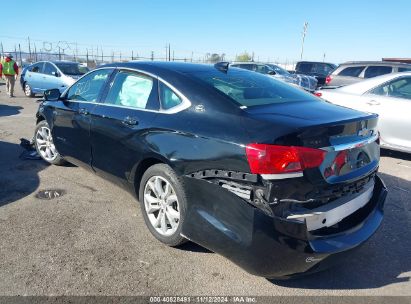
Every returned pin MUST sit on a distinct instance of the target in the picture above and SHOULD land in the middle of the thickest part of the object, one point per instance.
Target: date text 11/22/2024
(202, 299)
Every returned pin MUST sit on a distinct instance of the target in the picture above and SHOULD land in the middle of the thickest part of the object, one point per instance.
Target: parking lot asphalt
(92, 240)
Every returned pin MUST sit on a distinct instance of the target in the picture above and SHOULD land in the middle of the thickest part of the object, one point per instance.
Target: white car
(389, 96)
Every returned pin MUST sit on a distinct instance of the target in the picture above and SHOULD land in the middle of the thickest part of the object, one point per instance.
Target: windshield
(279, 70)
(251, 89)
(72, 68)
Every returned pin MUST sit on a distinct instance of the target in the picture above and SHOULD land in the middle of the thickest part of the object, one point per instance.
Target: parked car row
(273, 178)
(308, 83)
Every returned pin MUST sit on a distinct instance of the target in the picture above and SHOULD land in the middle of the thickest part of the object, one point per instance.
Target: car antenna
(222, 66)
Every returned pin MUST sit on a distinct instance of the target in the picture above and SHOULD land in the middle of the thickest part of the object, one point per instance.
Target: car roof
(164, 67)
(316, 62)
(387, 63)
(55, 62)
(252, 62)
(63, 61)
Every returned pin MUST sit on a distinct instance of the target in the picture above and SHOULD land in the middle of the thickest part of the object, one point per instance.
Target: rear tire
(163, 204)
(27, 90)
(43, 141)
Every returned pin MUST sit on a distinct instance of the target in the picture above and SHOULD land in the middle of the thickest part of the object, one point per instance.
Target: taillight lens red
(328, 79)
(318, 94)
(274, 159)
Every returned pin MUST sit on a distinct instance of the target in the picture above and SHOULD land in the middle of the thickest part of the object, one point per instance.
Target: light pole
(303, 38)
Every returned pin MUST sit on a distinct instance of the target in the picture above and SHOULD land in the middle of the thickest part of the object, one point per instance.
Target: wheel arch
(40, 117)
(140, 168)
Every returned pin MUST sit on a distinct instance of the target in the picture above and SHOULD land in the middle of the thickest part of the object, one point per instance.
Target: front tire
(43, 141)
(27, 90)
(163, 203)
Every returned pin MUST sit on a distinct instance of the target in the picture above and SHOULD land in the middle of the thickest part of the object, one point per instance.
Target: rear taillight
(328, 79)
(318, 94)
(273, 159)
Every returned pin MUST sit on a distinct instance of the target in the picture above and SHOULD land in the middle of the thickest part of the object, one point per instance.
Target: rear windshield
(72, 68)
(251, 89)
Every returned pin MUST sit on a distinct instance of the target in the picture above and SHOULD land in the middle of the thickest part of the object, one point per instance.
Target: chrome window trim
(352, 145)
(63, 95)
(185, 104)
(369, 92)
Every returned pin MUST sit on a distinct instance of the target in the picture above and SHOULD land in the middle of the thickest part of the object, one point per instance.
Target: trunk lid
(350, 137)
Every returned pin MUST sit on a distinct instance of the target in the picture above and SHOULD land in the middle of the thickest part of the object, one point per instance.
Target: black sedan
(273, 178)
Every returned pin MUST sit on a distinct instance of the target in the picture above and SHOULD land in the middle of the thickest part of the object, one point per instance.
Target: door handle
(83, 111)
(130, 121)
(373, 103)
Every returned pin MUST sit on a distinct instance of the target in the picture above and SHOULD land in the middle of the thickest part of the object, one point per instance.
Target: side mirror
(55, 74)
(271, 72)
(52, 95)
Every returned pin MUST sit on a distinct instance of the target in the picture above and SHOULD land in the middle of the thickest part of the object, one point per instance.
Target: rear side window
(49, 69)
(373, 71)
(398, 88)
(250, 67)
(404, 69)
(168, 98)
(262, 69)
(37, 68)
(305, 67)
(322, 68)
(131, 90)
(354, 71)
(252, 89)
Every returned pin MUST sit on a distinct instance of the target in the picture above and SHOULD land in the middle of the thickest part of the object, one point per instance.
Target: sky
(340, 30)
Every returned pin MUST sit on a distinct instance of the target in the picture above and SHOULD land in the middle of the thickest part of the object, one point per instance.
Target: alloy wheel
(27, 90)
(45, 145)
(161, 205)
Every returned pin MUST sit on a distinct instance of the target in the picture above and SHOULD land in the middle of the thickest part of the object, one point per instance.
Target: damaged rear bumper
(273, 247)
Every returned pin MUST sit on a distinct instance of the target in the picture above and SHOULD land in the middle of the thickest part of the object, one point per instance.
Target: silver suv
(352, 72)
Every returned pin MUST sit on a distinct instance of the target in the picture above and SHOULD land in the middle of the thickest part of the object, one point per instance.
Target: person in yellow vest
(10, 70)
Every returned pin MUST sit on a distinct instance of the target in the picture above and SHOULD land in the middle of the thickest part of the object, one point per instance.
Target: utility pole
(35, 52)
(76, 50)
(169, 54)
(166, 52)
(324, 57)
(303, 38)
(21, 59)
(28, 38)
(152, 55)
